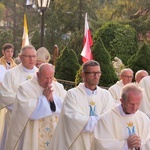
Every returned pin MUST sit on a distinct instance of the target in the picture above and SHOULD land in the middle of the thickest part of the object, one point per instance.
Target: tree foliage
(141, 59)
(120, 40)
(101, 55)
(2, 11)
(66, 65)
(6, 34)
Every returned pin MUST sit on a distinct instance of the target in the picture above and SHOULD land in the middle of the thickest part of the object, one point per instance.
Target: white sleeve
(43, 108)
(89, 127)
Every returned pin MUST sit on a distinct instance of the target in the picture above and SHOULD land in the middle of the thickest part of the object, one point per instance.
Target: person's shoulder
(102, 90)
(57, 83)
(2, 67)
(73, 89)
(142, 115)
(117, 85)
(112, 86)
(29, 83)
(145, 81)
(13, 70)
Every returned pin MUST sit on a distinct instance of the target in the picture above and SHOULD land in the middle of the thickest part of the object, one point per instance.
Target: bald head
(45, 66)
(45, 74)
(140, 75)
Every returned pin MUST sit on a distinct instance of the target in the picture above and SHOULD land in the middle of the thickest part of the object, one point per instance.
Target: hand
(134, 141)
(48, 93)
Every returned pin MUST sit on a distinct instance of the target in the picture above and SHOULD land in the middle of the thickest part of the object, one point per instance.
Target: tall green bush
(66, 65)
(120, 40)
(141, 59)
(101, 55)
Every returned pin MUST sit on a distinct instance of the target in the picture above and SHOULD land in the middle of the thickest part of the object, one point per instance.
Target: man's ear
(121, 100)
(3, 52)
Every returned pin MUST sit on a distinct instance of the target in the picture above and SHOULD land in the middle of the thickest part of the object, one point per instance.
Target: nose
(49, 80)
(134, 107)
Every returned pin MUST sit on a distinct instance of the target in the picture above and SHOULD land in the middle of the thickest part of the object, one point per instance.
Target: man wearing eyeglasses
(126, 77)
(11, 81)
(83, 106)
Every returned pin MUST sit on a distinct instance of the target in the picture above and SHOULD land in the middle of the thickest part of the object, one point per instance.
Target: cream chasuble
(113, 129)
(13, 78)
(78, 107)
(115, 90)
(47, 126)
(32, 123)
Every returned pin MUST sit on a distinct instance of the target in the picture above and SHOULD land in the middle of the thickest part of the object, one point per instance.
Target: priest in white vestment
(145, 103)
(139, 75)
(83, 106)
(124, 127)
(11, 81)
(2, 111)
(43, 56)
(126, 77)
(35, 113)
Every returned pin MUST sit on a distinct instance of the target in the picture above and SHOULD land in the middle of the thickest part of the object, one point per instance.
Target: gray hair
(45, 65)
(130, 87)
(27, 47)
(139, 72)
(124, 70)
(89, 63)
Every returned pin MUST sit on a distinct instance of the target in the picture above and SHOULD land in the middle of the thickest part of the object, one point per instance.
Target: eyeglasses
(93, 73)
(29, 56)
(127, 76)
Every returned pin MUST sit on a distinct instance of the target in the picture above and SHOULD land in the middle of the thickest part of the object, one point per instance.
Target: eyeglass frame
(29, 56)
(93, 73)
(126, 76)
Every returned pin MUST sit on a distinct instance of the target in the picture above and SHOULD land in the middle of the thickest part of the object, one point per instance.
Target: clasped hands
(134, 141)
(48, 93)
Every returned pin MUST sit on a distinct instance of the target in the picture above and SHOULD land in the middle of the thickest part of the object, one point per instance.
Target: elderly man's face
(127, 77)
(28, 58)
(45, 77)
(131, 105)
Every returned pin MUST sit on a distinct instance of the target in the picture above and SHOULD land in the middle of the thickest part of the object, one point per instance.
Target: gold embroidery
(92, 103)
(28, 77)
(46, 130)
(130, 124)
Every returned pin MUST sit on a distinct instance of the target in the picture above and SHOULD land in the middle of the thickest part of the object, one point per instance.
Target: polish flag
(25, 38)
(88, 42)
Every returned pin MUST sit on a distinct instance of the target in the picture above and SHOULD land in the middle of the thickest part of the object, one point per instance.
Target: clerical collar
(90, 92)
(28, 70)
(122, 112)
(8, 63)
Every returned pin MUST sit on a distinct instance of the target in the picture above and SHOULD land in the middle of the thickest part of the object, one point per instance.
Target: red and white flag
(25, 38)
(88, 42)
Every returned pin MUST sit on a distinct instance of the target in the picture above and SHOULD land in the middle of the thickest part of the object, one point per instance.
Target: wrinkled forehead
(128, 72)
(93, 68)
(29, 51)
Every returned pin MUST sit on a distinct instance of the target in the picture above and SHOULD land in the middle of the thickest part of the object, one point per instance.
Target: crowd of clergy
(37, 113)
